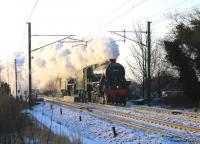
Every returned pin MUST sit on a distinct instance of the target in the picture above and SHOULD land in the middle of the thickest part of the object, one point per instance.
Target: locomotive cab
(116, 88)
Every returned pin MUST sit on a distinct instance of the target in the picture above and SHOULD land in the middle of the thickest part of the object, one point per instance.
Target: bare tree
(137, 61)
(159, 65)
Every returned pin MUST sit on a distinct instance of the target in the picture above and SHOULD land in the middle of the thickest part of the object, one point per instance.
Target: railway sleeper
(145, 128)
(155, 122)
(166, 124)
(151, 121)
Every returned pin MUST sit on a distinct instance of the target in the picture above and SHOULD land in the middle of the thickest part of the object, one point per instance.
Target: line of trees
(176, 59)
(19, 127)
(183, 52)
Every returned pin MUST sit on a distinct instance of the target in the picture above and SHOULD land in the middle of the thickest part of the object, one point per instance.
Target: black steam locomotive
(100, 83)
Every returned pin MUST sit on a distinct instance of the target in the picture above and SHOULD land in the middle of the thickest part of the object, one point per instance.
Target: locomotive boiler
(100, 83)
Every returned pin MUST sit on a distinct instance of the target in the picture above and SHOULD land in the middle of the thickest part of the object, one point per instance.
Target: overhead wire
(173, 6)
(133, 7)
(192, 8)
(31, 14)
(25, 26)
(183, 11)
(116, 18)
(114, 10)
(162, 12)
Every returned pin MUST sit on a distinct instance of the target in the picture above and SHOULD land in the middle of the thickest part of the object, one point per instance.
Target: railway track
(154, 121)
(164, 113)
(78, 106)
(151, 120)
(90, 109)
(179, 123)
(170, 113)
(195, 117)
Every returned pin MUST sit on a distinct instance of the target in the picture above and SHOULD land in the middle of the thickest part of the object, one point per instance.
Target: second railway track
(91, 109)
(171, 113)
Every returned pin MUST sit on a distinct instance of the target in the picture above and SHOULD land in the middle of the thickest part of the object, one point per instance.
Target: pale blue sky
(80, 17)
(83, 18)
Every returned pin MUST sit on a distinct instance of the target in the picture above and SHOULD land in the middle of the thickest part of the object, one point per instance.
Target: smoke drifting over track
(62, 61)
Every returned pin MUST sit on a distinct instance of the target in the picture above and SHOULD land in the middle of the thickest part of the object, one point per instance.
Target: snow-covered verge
(92, 130)
(157, 116)
(177, 120)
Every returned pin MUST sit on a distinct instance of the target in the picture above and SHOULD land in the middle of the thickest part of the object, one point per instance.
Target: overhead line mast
(149, 61)
(29, 64)
(148, 45)
(16, 77)
(29, 53)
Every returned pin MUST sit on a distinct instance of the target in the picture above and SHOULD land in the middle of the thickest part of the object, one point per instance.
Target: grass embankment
(11, 120)
(36, 133)
(17, 127)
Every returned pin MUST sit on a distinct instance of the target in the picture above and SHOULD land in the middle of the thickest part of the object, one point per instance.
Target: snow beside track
(178, 120)
(92, 130)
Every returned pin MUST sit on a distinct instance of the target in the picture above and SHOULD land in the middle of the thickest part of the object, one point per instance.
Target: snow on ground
(92, 130)
(162, 128)
(178, 120)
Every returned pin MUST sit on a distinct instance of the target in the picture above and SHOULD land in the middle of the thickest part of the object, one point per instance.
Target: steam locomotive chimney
(113, 60)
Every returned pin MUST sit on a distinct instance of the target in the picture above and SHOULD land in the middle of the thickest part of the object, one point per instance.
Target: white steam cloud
(52, 62)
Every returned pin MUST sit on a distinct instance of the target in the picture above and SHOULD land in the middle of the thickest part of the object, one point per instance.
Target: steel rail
(138, 118)
(171, 113)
